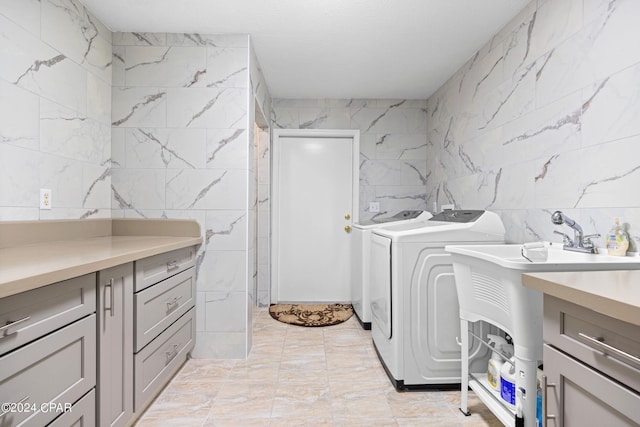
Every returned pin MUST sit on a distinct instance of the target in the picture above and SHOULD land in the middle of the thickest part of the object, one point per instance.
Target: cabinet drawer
(158, 267)
(582, 396)
(27, 316)
(158, 361)
(160, 305)
(593, 338)
(58, 369)
(82, 413)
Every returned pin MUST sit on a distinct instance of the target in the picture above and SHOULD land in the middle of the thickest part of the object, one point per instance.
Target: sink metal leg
(464, 373)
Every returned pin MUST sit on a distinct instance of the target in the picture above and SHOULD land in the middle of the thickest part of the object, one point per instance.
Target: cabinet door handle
(171, 354)
(10, 323)
(544, 384)
(110, 309)
(172, 265)
(173, 304)
(12, 407)
(599, 343)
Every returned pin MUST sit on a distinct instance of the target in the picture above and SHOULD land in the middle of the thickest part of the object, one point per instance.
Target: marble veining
(199, 40)
(419, 173)
(161, 59)
(568, 120)
(123, 204)
(222, 81)
(147, 100)
(529, 26)
(507, 97)
(196, 77)
(314, 123)
(377, 119)
(205, 108)
(483, 79)
(167, 154)
(545, 168)
(615, 177)
(468, 161)
(102, 178)
(206, 189)
(35, 67)
(139, 38)
(149, 39)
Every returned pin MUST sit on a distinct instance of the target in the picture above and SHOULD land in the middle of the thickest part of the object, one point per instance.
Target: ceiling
(375, 49)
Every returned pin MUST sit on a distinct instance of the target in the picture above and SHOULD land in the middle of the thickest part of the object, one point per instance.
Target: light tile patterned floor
(298, 376)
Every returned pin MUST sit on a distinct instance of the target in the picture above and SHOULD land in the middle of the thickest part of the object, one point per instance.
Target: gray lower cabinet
(158, 306)
(591, 368)
(30, 315)
(115, 346)
(154, 269)
(164, 320)
(81, 414)
(41, 380)
(96, 349)
(146, 328)
(158, 362)
(581, 396)
(48, 353)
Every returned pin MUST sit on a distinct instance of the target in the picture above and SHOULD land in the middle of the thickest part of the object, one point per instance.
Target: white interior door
(315, 196)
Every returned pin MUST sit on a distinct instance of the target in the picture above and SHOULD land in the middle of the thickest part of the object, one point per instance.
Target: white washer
(361, 248)
(415, 317)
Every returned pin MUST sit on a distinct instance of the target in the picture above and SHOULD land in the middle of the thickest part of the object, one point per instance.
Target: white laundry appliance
(361, 249)
(415, 321)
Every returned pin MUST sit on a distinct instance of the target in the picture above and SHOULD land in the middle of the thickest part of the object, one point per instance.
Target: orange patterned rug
(311, 314)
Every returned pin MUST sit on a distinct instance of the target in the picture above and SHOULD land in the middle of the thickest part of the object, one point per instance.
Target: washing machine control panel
(406, 215)
(457, 215)
(400, 216)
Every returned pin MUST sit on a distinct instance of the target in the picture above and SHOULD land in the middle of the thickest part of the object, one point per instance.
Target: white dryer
(415, 318)
(361, 250)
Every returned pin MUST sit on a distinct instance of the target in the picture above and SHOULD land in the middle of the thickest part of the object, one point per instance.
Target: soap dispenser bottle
(617, 240)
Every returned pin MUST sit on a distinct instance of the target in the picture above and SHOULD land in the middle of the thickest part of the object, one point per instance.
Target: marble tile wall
(262, 171)
(55, 110)
(263, 160)
(393, 145)
(546, 116)
(183, 148)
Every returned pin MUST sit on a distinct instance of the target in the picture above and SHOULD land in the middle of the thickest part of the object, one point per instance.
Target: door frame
(354, 135)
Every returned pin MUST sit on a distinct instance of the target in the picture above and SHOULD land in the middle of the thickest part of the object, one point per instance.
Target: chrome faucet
(580, 242)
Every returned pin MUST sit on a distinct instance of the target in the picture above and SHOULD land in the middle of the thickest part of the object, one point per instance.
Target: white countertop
(612, 293)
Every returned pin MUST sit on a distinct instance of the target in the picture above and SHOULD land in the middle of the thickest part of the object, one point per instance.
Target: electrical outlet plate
(374, 207)
(45, 198)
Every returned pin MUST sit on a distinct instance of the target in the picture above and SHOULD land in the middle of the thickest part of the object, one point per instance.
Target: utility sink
(557, 259)
(489, 286)
(489, 279)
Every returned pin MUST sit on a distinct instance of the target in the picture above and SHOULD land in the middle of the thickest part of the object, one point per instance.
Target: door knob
(347, 216)
(347, 229)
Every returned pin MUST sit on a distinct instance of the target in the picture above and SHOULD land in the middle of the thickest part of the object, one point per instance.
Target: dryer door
(380, 290)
